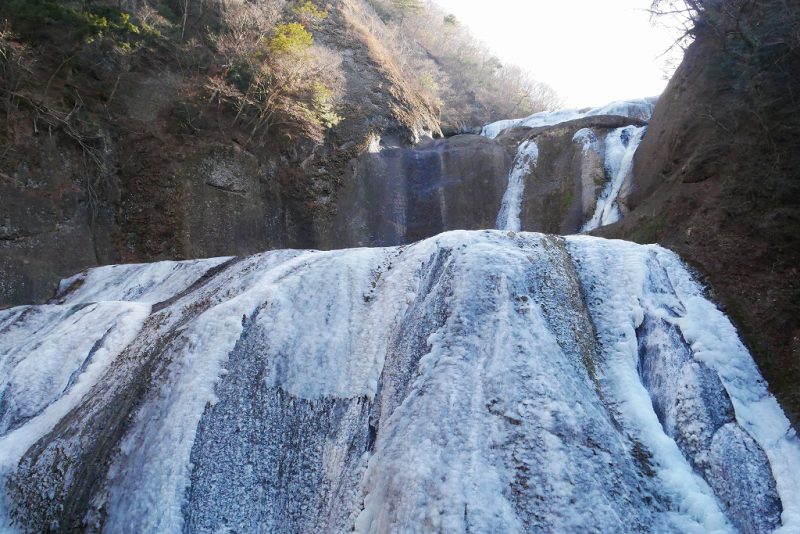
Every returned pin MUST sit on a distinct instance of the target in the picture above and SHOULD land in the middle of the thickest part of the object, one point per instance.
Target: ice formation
(620, 147)
(641, 110)
(588, 140)
(617, 150)
(524, 163)
(475, 381)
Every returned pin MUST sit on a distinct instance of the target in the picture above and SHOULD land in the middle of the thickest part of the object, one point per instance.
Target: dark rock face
(57, 218)
(401, 195)
(46, 226)
(213, 199)
(717, 178)
(173, 178)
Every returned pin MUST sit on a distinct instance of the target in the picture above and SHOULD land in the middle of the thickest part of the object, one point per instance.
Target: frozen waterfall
(620, 147)
(524, 163)
(641, 109)
(471, 382)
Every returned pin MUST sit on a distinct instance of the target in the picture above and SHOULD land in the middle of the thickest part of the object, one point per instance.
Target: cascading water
(620, 147)
(524, 163)
(475, 381)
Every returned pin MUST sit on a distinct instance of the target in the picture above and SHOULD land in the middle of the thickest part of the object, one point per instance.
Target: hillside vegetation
(264, 61)
(257, 60)
(460, 73)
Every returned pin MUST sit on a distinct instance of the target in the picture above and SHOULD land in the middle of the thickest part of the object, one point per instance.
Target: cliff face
(119, 151)
(113, 157)
(117, 156)
(149, 166)
(454, 381)
(394, 195)
(575, 166)
(399, 195)
(717, 177)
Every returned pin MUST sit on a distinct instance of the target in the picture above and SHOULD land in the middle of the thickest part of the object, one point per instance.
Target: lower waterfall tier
(475, 381)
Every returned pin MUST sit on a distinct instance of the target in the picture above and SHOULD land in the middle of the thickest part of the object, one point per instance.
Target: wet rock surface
(400, 195)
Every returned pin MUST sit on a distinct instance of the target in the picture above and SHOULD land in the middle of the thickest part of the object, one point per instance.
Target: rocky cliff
(396, 195)
(113, 155)
(472, 381)
(379, 179)
(718, 171)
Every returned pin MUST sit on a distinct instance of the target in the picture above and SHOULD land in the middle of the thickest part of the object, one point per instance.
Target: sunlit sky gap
(591, 51)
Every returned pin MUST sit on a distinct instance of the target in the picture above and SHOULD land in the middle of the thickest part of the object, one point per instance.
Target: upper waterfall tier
(640, 110)
(475, 381)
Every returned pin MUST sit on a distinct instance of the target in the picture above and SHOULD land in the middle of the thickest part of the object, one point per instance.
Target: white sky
(591, 52)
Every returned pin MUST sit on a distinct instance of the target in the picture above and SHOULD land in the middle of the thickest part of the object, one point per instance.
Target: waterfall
(640, 110)
(525, 161)
(620, 147)
(474, 381)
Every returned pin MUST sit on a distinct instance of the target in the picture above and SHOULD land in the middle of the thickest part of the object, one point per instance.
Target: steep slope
(717, 176)
(476, 381)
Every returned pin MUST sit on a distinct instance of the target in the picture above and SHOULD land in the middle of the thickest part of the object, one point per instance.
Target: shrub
(459, 73)
(308, 13)
(274, 76)
(87, 21)
(325, 106)
(407, 7)
(291, 37)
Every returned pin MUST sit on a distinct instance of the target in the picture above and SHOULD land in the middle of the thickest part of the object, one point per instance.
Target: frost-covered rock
(475, 381)
(695, 410)
(641, 110)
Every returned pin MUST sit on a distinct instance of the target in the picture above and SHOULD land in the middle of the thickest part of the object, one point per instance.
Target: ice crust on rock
(588, 139)
(474, 381)
(50, 357)
(150, 283)
(641, 109)
(670, 316)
